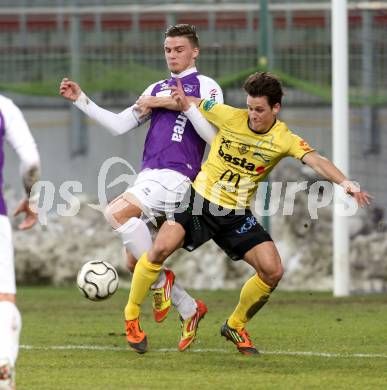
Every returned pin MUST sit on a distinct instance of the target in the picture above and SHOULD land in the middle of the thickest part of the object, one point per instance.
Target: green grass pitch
(307, 341)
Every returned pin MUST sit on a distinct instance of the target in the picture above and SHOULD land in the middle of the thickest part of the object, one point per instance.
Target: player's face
(261, 115)
(179, 54)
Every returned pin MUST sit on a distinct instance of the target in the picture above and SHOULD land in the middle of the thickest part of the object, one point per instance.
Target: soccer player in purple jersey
(173, 153)
(13, 129)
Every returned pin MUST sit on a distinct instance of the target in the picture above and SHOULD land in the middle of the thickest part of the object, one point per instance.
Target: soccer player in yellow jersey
(247, 146)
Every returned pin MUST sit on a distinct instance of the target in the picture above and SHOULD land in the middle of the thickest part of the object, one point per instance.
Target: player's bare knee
(277, 274)
(269, 269)
(108, 214)
(118, 212)
(8, 297)
(113, 216)
(273, 275)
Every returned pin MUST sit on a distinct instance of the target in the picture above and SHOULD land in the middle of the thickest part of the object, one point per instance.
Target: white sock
(183, 302)
(10, 326)
(135, 236)
(160, 280)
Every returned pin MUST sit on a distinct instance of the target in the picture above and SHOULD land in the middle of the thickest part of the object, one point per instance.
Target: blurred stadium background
(114, 49)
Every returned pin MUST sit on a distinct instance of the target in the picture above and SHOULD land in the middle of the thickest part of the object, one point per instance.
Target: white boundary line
(218, 350)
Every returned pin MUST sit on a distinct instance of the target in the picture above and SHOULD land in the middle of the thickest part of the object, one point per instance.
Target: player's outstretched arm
(116, 124)
(329, 171)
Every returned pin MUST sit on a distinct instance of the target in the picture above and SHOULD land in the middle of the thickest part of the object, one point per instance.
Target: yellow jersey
(240, 158)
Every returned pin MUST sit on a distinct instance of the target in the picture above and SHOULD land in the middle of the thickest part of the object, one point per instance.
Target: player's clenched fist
(69, 89)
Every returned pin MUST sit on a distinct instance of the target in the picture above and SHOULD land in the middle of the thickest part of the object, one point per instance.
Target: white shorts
(160, 190)
(7, 266)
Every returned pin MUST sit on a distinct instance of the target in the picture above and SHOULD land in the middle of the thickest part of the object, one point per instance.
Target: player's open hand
(362, 198)
(69, 89)
(30, 217)
(179, 96)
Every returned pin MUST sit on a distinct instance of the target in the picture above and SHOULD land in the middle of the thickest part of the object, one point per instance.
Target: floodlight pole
(340, 141)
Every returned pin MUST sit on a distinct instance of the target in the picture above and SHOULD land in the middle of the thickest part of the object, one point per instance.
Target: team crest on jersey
(189, 88)
(208, 104)
(164, 86)
(263, 146)
(226, 143)
(243, 149)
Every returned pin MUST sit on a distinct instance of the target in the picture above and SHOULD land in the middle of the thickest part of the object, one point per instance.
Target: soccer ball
(97, 280)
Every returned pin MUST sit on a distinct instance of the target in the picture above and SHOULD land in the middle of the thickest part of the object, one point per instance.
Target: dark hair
(264, 84)
(184, 30)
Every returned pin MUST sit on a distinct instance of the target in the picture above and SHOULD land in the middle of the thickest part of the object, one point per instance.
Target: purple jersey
(172, 142)
(3, 210)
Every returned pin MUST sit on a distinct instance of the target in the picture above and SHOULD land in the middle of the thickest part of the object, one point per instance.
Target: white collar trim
(184, 73)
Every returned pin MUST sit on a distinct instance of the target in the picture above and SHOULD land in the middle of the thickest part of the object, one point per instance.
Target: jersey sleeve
(18, 135)
(116, 124)
(298, 147)
(210, 89)
(148, 91)
(216, 113)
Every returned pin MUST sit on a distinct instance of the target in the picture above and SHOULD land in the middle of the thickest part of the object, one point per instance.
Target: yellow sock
(145, 274)
(254, 294)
